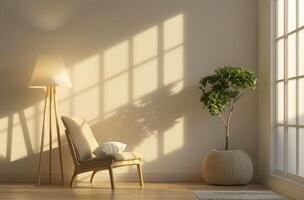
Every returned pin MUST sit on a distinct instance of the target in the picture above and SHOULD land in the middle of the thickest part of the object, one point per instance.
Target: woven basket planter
(227, 167)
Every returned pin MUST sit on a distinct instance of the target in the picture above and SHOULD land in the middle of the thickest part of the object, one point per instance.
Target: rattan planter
(227, 167)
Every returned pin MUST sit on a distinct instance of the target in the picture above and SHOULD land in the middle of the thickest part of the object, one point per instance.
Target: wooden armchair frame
(107, 164)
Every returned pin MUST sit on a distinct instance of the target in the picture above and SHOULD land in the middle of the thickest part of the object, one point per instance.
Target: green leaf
(226, 85)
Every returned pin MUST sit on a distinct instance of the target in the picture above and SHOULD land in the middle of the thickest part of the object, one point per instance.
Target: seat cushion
(81, 136)
(122, 156)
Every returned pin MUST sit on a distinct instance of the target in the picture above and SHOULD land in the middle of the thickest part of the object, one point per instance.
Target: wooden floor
(102, 191)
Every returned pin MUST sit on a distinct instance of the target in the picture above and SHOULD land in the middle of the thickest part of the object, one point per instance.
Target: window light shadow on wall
(16, 140)
(143, 74)
(145, 62)
(116, 77)
(4, 138)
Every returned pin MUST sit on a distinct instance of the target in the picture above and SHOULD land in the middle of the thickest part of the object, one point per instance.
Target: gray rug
(237, 195)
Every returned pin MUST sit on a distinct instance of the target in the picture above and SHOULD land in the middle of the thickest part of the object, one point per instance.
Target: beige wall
(264, 90)
(134, 66)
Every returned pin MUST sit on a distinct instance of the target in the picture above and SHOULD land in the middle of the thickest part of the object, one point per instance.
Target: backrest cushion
(82, 137)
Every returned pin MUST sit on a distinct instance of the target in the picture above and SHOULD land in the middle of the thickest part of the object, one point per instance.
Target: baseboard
(103, 176)
(288, 188)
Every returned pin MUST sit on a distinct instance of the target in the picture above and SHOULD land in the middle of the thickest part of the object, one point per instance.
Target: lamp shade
(50, 71)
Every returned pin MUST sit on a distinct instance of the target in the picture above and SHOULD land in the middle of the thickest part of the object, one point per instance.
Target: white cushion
(109, 148)
(81, 136)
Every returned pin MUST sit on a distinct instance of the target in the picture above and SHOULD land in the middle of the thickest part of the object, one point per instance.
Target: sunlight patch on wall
(148, 148)
(174, 52)
(18, 146)
(40, 105)
(64, 108)
(173, 65)
(86, 74)
(116, 92)
(39, 122)
(3, 124)
(174, 32)
(116, 59)
(31, 125)
(63, 94)
(83, 98)
(33, 118)
(174, 136)
(87, 104)
(145, 45)
(65, 99)
(3, 137)
(30, 112)
(145, 78)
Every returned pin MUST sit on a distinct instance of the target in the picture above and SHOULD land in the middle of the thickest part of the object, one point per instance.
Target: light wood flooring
(123, 191)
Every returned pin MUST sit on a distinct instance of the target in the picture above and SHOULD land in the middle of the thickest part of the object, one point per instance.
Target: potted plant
(221, 91)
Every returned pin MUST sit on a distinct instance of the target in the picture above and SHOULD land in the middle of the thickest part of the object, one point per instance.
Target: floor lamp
(50, 73)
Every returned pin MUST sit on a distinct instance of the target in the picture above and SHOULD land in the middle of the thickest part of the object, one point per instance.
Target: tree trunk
(226, 139)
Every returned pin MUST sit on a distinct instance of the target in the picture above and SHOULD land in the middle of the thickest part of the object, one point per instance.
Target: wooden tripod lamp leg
(50, 142)
(42, 136)
(58, 135)
(51, 95)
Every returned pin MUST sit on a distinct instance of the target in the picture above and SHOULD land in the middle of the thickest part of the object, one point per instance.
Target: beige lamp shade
(50, 71)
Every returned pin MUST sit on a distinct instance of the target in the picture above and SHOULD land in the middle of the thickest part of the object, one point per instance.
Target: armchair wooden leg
(72, 179)
(139, 171)
(111, 177)
(92, 176)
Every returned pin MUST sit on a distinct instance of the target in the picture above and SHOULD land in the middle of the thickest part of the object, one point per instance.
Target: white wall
(135, 67)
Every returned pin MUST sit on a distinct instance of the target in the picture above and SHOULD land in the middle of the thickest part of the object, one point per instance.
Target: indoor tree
(222, 90)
